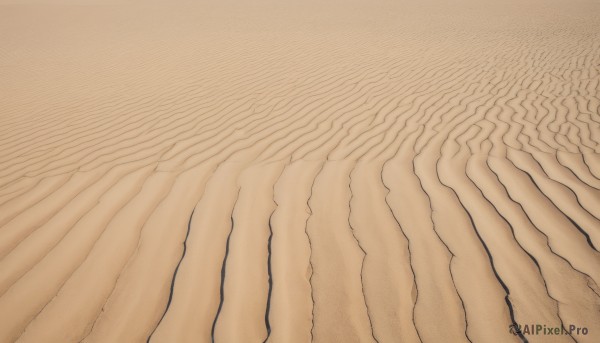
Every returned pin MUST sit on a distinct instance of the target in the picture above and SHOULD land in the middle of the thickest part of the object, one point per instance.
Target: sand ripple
(295, 171)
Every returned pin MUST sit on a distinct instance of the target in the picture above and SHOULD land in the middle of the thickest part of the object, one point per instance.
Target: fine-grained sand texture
(296, 171)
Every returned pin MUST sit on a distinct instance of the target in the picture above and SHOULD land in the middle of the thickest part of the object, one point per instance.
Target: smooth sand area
(245, 171)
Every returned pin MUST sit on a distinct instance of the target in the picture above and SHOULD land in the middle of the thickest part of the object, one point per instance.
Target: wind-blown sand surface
(288, 171)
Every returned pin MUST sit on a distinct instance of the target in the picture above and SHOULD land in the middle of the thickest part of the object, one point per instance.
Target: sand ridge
(337, 171)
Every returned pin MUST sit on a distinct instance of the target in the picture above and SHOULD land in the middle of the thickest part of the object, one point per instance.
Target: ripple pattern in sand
(357, 172)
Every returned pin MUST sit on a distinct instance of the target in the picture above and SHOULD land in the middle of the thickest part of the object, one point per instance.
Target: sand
(295, 171)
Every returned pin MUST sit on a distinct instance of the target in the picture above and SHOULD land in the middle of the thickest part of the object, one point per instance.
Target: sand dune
(295, 171)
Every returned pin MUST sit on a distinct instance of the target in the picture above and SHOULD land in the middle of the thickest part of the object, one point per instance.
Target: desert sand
(297, 171)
